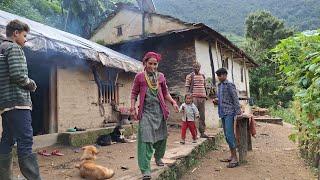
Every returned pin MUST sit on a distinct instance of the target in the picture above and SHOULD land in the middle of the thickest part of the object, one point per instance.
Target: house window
(109, 93)
(242, 73)
(119, 31)
(225, 63)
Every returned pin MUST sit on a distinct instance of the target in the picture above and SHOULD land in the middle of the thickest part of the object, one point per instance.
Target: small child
(189, 114)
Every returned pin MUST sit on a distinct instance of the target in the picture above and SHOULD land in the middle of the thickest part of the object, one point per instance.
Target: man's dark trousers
(16, 125)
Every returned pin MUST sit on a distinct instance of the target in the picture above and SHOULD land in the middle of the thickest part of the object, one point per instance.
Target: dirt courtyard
(273, 157)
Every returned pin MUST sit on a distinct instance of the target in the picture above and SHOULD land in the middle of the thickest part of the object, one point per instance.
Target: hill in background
(228, 16)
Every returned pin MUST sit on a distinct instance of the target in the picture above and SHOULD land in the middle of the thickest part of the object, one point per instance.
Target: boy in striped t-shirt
(16, 105)
(196, 85)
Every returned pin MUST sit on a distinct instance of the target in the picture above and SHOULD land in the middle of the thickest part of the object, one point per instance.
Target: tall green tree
(82, 15)
(265, 29)
(263, 32)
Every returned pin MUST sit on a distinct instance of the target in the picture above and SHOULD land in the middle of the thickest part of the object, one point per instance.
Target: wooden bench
(245, 144)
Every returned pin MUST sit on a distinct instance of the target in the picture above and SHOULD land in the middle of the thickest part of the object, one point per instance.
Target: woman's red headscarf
(149, 55)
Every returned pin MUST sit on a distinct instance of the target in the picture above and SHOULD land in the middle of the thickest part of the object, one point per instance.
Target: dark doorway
(40, 73)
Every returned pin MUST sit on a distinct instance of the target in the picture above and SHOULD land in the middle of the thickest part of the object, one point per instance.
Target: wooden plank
(118, 97)
(232, 67)
(245, 78)
(243, 146)
(249, 138)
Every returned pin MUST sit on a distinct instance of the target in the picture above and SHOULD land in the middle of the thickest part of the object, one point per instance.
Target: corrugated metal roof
(45, 38)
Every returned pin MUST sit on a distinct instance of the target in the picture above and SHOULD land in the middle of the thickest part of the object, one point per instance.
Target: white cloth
(16, 107)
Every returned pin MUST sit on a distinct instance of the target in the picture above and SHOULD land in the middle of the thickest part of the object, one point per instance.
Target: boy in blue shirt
(229, 108)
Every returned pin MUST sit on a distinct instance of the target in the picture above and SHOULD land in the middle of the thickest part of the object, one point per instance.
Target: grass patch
(287, 114)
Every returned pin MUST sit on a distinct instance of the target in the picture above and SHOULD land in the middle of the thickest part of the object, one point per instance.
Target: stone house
(133, 32)
(77, 79)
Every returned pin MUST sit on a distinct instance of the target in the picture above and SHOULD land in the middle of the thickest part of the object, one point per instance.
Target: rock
(218, 169)
(288, 149)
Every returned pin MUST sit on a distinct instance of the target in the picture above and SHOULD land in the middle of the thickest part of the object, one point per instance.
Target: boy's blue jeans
(228, 129)
(16, 125)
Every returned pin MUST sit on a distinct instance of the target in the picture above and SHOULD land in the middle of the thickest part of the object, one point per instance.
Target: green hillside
(229, 16)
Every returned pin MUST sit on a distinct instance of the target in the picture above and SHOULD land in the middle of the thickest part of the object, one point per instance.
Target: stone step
(272, 120)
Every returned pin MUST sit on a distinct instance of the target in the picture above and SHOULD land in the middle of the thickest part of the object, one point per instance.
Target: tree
(43, 11)
(265, 29)
(263, 32)
(83, 16)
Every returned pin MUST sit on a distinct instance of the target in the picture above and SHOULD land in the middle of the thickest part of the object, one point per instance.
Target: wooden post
(212, 66)
(243, 145)
(143, 24)
(53, 102)
(221, 55)
(232, 67)
(218, 49)
(245, 76)
(319, 169)
(249, 138)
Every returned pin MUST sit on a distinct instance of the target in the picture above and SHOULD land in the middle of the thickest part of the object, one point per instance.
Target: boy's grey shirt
(190, 112)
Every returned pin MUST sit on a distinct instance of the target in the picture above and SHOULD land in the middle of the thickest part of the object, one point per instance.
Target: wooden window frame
(242, 74)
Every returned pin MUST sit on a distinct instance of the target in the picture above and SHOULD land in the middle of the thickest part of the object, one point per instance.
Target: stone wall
(178, 56)
(78, 96)
(77, 100)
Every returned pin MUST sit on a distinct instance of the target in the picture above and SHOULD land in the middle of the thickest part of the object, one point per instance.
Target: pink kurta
(140, 88)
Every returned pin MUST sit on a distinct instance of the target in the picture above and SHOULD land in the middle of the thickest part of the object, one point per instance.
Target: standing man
(196, 85)
(16, 105)
(228, 107)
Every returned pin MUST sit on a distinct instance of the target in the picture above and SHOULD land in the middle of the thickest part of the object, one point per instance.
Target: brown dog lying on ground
(88, 168)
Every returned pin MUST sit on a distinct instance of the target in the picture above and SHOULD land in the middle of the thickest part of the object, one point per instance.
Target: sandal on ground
(233, 164)
(57, 153)
(182, 142)
(225, 160)
(146, 177)
(159, 162)
(44, 153)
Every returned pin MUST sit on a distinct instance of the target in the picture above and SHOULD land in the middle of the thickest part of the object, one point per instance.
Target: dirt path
(273, 157)
(114, 157)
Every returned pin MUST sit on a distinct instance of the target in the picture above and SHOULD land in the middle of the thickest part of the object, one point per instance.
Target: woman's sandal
(57, 153)
(232, 164)
(44, 153)
(146, 177)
